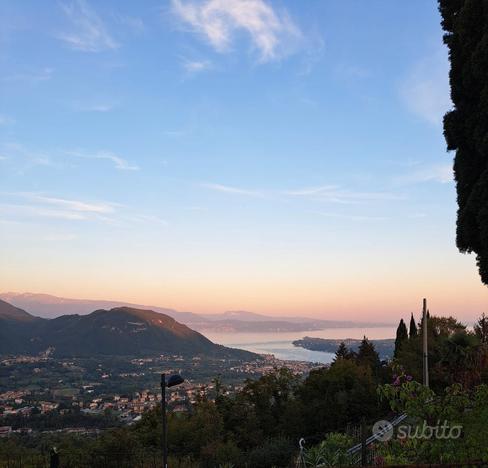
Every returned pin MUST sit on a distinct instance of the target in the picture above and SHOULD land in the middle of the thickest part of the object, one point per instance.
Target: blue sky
(282, 157)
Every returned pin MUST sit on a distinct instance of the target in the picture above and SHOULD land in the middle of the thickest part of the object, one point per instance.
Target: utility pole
(173, 380)
(164, 441)
(425, 352)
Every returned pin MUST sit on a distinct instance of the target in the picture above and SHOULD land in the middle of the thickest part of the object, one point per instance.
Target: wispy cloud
(70, 205)
(323, 194)
(196, 66)
(88, 32)
(337, 194)
(100, 107)
(31, 206)
(442, 173)
(425, 91)
(119, 163)
(26, 157)
(233, 190)
(351, 217)
(272, 34)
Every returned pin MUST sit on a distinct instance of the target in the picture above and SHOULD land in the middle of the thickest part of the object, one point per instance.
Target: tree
(343, 353)
(413, 327)
(337, 396)
(465, 23)
(367, 356)
(401, 337)
(481, 329)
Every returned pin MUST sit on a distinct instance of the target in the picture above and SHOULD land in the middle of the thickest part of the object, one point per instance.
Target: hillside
(16, 329)
(121, 331)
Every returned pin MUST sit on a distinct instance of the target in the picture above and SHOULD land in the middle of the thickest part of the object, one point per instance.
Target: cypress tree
(413, 327)
(401, 337)
(465, 23)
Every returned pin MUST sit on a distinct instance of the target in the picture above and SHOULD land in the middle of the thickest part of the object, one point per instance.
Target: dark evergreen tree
(367, 355)
(342, 352)
(465, 23)
(401, 337)
(413, 327)
(481, 329)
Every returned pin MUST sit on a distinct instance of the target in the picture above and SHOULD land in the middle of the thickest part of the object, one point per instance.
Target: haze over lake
(281, 344)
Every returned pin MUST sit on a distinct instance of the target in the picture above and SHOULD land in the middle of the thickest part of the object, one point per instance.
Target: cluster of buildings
(65, 396)
(127, 408)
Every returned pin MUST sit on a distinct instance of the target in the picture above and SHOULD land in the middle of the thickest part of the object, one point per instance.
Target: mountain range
(120, 331)
(48, 306)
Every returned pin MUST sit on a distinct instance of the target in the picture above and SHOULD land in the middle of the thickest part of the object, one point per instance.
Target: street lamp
(173, 380)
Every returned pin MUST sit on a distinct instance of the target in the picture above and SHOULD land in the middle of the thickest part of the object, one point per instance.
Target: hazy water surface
(280, 344)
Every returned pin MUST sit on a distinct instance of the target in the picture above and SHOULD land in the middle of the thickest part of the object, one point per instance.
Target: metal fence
(85, 460)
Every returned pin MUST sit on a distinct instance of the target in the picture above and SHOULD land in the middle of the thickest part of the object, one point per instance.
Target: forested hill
(120, 331)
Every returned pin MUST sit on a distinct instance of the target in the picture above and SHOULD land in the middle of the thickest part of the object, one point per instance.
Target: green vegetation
(401, 337)
(456, 355)
(465, 23)
(260, 424)
(455, 406)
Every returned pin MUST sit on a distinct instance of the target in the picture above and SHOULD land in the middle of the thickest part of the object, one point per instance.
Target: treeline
(456, 354)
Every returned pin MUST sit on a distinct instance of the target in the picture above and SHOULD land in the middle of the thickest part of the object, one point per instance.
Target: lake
(280, 344)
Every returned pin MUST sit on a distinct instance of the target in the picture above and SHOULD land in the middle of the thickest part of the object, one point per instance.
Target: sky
(280, 157)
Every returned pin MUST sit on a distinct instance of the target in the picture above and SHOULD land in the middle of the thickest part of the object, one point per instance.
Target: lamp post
(173, 380)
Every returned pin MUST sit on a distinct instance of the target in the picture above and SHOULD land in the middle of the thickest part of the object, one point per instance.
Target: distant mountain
(121, 331)
(47, 306)
(8, 312)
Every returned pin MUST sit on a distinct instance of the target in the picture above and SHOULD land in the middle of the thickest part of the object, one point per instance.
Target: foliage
(333, 397)
(481, 329)
(456, 406)
(401, 337)
(413, 328)
(455, 355)
(465, 23)
(272, 453)
(332, 451)
(343, 352)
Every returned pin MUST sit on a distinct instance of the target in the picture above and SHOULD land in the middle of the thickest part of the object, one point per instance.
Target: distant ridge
(48, 306)
(121, 331)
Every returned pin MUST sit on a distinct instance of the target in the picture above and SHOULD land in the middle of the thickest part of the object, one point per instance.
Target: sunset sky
(283, 157)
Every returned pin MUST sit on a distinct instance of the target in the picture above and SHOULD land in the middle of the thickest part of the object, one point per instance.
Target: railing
(66, 459)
